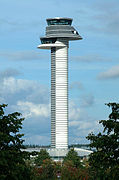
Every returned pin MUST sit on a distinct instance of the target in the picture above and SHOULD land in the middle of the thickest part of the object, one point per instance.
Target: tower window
(48, 40)
(59, 22)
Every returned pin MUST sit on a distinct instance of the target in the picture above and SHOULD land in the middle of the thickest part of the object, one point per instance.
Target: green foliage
(73, 157)
(105, 161)
(46, 171)
(42, 155)
(50, 170)
(12, 159)
(70, 172)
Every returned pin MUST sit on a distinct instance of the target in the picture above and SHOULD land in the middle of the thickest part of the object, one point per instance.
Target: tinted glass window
(59, 22)
(47, 41)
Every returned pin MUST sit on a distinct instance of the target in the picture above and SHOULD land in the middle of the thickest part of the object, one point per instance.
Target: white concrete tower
(58, 34)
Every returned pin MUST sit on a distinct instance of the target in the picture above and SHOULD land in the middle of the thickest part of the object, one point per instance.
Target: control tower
(58, 34)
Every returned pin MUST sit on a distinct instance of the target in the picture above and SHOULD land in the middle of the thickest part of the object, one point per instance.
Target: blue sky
(93, 64)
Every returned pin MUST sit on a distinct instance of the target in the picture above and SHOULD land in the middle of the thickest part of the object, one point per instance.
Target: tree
(46, 171)
(12, 159)
(42, 155)
(105, 160)
(73, 157)
(45, 167)
(73, 169)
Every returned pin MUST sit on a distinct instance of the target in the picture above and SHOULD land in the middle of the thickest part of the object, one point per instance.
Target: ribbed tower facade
(58, 34)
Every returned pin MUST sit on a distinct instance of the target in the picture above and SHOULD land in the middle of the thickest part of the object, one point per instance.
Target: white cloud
(74, 123)
(9, 72)
(79, 118)
(81, 124)
(74, 111)
(76, 85)
(28, 97)
(15, 85)
(15, 24)
(6, 21)
(37, 139)
(81, 128)
(85, 125)
(110, 73)
(13, 90)
(31, 110)
(31, 99)
(102, 18)
(91, 58)
(22, 55)
(87, 100)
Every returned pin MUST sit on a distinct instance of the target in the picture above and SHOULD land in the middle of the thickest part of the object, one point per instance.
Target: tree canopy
(105, 160)
(42, 155)
(72, 156)
(12, 164)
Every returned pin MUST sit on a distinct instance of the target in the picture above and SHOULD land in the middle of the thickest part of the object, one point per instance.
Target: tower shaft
(59, 96)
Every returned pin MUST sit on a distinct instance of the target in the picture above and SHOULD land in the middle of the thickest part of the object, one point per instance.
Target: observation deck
(59, 28)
